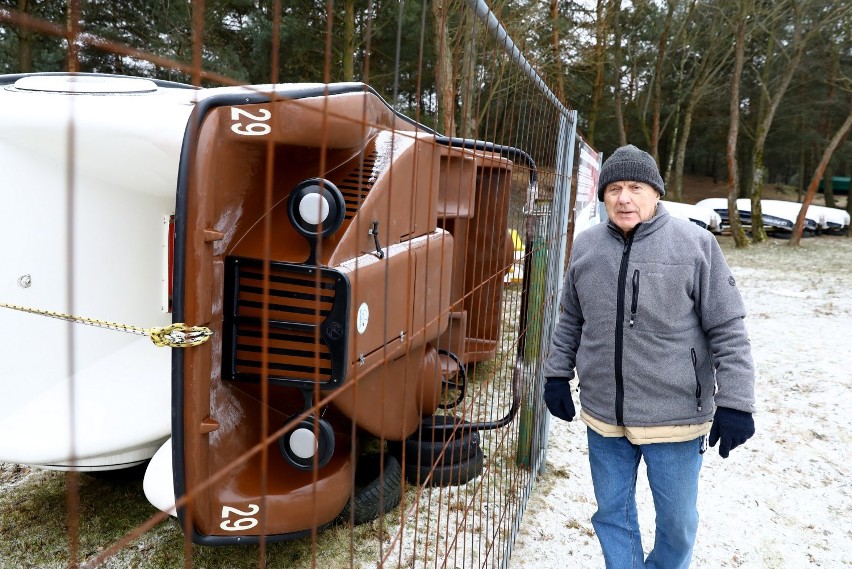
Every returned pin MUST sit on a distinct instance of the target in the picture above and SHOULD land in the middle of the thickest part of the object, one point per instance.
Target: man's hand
(557, 397)
(732, 428)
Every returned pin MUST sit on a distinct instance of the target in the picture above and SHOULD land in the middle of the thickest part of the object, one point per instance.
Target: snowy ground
(781, 501)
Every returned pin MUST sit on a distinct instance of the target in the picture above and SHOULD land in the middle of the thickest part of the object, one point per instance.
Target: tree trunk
(349, 40)
(556, 52)
(658, 84)
(619, 114)
(25, 42)
(600, 54)
(737, 231)
(800, 187)
(73, 27)
(766, 116)
(677, 174)
(667, 171)
(828, 186)
(758, 231)
(467, 86)
(812, 187)
(444, 69)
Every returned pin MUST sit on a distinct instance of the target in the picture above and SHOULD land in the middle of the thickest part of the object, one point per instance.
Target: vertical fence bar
(556, 234)
(556, 266)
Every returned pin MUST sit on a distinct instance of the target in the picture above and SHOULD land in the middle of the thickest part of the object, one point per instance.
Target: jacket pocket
(634, 304)
(697, 381)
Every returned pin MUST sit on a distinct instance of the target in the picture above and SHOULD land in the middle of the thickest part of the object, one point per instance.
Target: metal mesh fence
(375, 295)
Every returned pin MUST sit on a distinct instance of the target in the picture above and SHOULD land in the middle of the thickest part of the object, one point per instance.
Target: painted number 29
(249, 124)
(243, 520)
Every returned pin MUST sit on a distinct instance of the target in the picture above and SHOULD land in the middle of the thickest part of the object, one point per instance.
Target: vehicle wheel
(459, 446)
(447, 475)
(377, 490)
(437, 432)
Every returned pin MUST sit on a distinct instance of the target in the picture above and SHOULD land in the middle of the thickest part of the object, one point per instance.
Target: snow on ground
(782, 500)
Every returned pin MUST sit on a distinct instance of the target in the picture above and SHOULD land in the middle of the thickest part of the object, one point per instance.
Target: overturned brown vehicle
(350, 263)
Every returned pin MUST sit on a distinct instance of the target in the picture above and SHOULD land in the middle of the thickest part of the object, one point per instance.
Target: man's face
(630, 203)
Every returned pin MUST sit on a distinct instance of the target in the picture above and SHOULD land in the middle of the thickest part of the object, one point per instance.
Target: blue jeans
(673, 477)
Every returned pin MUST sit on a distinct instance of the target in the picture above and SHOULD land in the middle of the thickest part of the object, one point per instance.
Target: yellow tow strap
(177, 335)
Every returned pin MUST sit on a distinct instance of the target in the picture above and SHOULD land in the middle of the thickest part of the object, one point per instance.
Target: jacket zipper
(633, 305)
(697, 381)
(619, 332)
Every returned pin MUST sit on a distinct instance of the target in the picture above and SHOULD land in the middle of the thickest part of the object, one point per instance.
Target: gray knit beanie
(629, 164)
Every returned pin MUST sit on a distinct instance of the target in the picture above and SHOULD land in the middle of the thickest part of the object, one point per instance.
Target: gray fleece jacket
(653, 324)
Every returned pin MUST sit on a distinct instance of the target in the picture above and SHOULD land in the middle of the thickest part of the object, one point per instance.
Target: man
(653, 322)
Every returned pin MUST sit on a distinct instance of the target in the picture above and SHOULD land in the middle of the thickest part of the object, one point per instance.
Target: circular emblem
(335, 331)
(363, 317)
(731, 281)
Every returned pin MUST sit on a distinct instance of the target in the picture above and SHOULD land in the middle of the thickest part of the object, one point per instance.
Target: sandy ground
(781, 501)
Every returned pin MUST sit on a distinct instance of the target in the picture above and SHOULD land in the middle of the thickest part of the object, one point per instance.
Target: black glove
(732, 428)
(557, 397)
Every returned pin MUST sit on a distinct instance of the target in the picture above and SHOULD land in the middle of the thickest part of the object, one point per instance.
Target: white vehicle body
(158, 483)
(831, 217)
(782, 214)
(703, 216)
(89, 169)
(779, 214)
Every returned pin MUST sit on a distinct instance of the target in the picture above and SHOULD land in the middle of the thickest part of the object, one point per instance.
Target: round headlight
(308, 444)
(316, 208)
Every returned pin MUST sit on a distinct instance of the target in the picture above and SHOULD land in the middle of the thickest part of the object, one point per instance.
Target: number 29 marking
(256, 123)
(244, 520)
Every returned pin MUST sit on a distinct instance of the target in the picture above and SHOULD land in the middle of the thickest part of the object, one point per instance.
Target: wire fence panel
(349, 285)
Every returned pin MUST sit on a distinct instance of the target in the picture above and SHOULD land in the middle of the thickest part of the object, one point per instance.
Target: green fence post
(535, 275)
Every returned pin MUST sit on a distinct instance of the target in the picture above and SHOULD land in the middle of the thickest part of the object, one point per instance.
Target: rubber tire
(433, 428)
(450, 475)
(375, 495)
(427, 451)
(425, 447)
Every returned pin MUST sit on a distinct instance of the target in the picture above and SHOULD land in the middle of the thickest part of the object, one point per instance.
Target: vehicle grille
(357, 184)
(307, 315)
